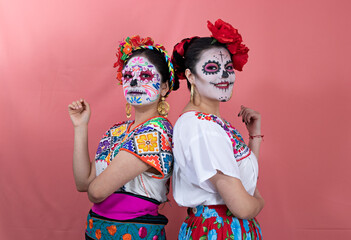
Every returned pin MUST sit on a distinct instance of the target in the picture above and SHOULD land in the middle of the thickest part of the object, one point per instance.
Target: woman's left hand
(252, 119)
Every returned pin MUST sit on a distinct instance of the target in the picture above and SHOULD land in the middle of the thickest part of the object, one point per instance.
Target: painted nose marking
(133, 83)
(225, 74)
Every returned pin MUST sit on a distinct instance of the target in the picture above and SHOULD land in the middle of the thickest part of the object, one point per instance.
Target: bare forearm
(239, 202)
(248, 209)
(81, 159)
(255, 145)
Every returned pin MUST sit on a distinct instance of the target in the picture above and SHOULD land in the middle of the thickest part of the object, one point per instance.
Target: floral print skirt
(217, 222)
(146, 227)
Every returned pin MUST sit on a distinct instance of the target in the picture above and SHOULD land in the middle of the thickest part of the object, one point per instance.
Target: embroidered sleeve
(108, 145)
(152, 144)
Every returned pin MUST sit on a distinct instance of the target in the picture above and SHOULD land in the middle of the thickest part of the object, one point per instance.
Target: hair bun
(178, 60)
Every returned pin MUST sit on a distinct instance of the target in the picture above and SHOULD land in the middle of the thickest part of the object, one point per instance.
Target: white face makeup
(215, 74)
(141, 81)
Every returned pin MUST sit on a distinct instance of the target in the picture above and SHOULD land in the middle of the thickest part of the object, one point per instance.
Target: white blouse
(203, 144)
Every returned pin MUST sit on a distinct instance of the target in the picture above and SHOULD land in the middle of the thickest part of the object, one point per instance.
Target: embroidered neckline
(240, 149)
(141, 124)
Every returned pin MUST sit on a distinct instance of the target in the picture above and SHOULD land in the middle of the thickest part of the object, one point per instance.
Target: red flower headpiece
(180, 49)
(222, 32)
(225, 33)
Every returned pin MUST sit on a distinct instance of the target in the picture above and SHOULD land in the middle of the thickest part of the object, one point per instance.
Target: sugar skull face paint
(141, 81)
(215, 74)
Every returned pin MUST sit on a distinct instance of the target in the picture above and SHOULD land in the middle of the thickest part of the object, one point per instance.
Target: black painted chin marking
(223, 99)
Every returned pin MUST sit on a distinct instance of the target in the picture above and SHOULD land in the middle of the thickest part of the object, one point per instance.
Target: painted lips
(135, 93)
(222, 85)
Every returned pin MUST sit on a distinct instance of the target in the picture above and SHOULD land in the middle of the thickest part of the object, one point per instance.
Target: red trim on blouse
(147, 162)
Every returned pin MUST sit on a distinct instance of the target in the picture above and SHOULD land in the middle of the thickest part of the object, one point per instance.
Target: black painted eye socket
(211, 67)
(145, 75)
(229, 67)
(127, 76)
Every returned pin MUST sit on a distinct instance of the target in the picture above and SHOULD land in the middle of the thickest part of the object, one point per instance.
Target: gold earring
(163, 107)
(192, 93)
(128, 110)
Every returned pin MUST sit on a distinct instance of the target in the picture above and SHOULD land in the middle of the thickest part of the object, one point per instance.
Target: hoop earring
(128, 110)
(163, 107)
(192, 93)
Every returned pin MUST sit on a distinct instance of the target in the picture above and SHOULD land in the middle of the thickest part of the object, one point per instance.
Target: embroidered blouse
(203, 144)
(151, 142)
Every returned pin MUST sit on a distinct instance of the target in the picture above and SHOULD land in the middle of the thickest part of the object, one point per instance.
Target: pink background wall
(298, 77)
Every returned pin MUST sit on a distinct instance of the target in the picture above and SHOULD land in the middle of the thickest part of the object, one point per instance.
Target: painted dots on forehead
(219, 54)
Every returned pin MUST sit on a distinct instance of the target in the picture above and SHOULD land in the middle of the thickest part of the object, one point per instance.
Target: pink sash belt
(121, 206)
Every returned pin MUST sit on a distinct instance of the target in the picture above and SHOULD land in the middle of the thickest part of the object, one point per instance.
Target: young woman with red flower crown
(215, 172)
(129, 177)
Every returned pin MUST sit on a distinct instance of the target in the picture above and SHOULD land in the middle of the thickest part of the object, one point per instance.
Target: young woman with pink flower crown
(129, 177)
(215, 172)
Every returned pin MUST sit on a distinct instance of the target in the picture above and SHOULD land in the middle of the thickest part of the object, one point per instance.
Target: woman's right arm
(83, 169)
(239, 202)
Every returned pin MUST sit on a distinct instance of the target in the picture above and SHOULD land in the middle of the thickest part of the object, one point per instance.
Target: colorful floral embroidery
(111, 229)
(105, 229)
(127, 236)
(91, 223)
(98, 233)
(240, 149)
(119, 131)
(147, 142)
(142, 232)
(165, 143)
(217, 222)
(150, 141)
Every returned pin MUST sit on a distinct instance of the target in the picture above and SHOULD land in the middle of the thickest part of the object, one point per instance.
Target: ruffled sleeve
(152, 143)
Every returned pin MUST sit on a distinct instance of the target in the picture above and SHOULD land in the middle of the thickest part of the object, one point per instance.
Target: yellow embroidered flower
(147, 142)
(119, 131)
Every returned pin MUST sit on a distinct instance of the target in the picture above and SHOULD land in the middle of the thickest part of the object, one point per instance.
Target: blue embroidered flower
(209, 213)
(248, 236)
(246, 225)
(212, 235)
(236, 229)
(220, 220)
(184, 232)
(167, 160)
(200, 210)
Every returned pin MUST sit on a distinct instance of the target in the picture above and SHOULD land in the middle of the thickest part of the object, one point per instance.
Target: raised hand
(79, 111)
(252, 119)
